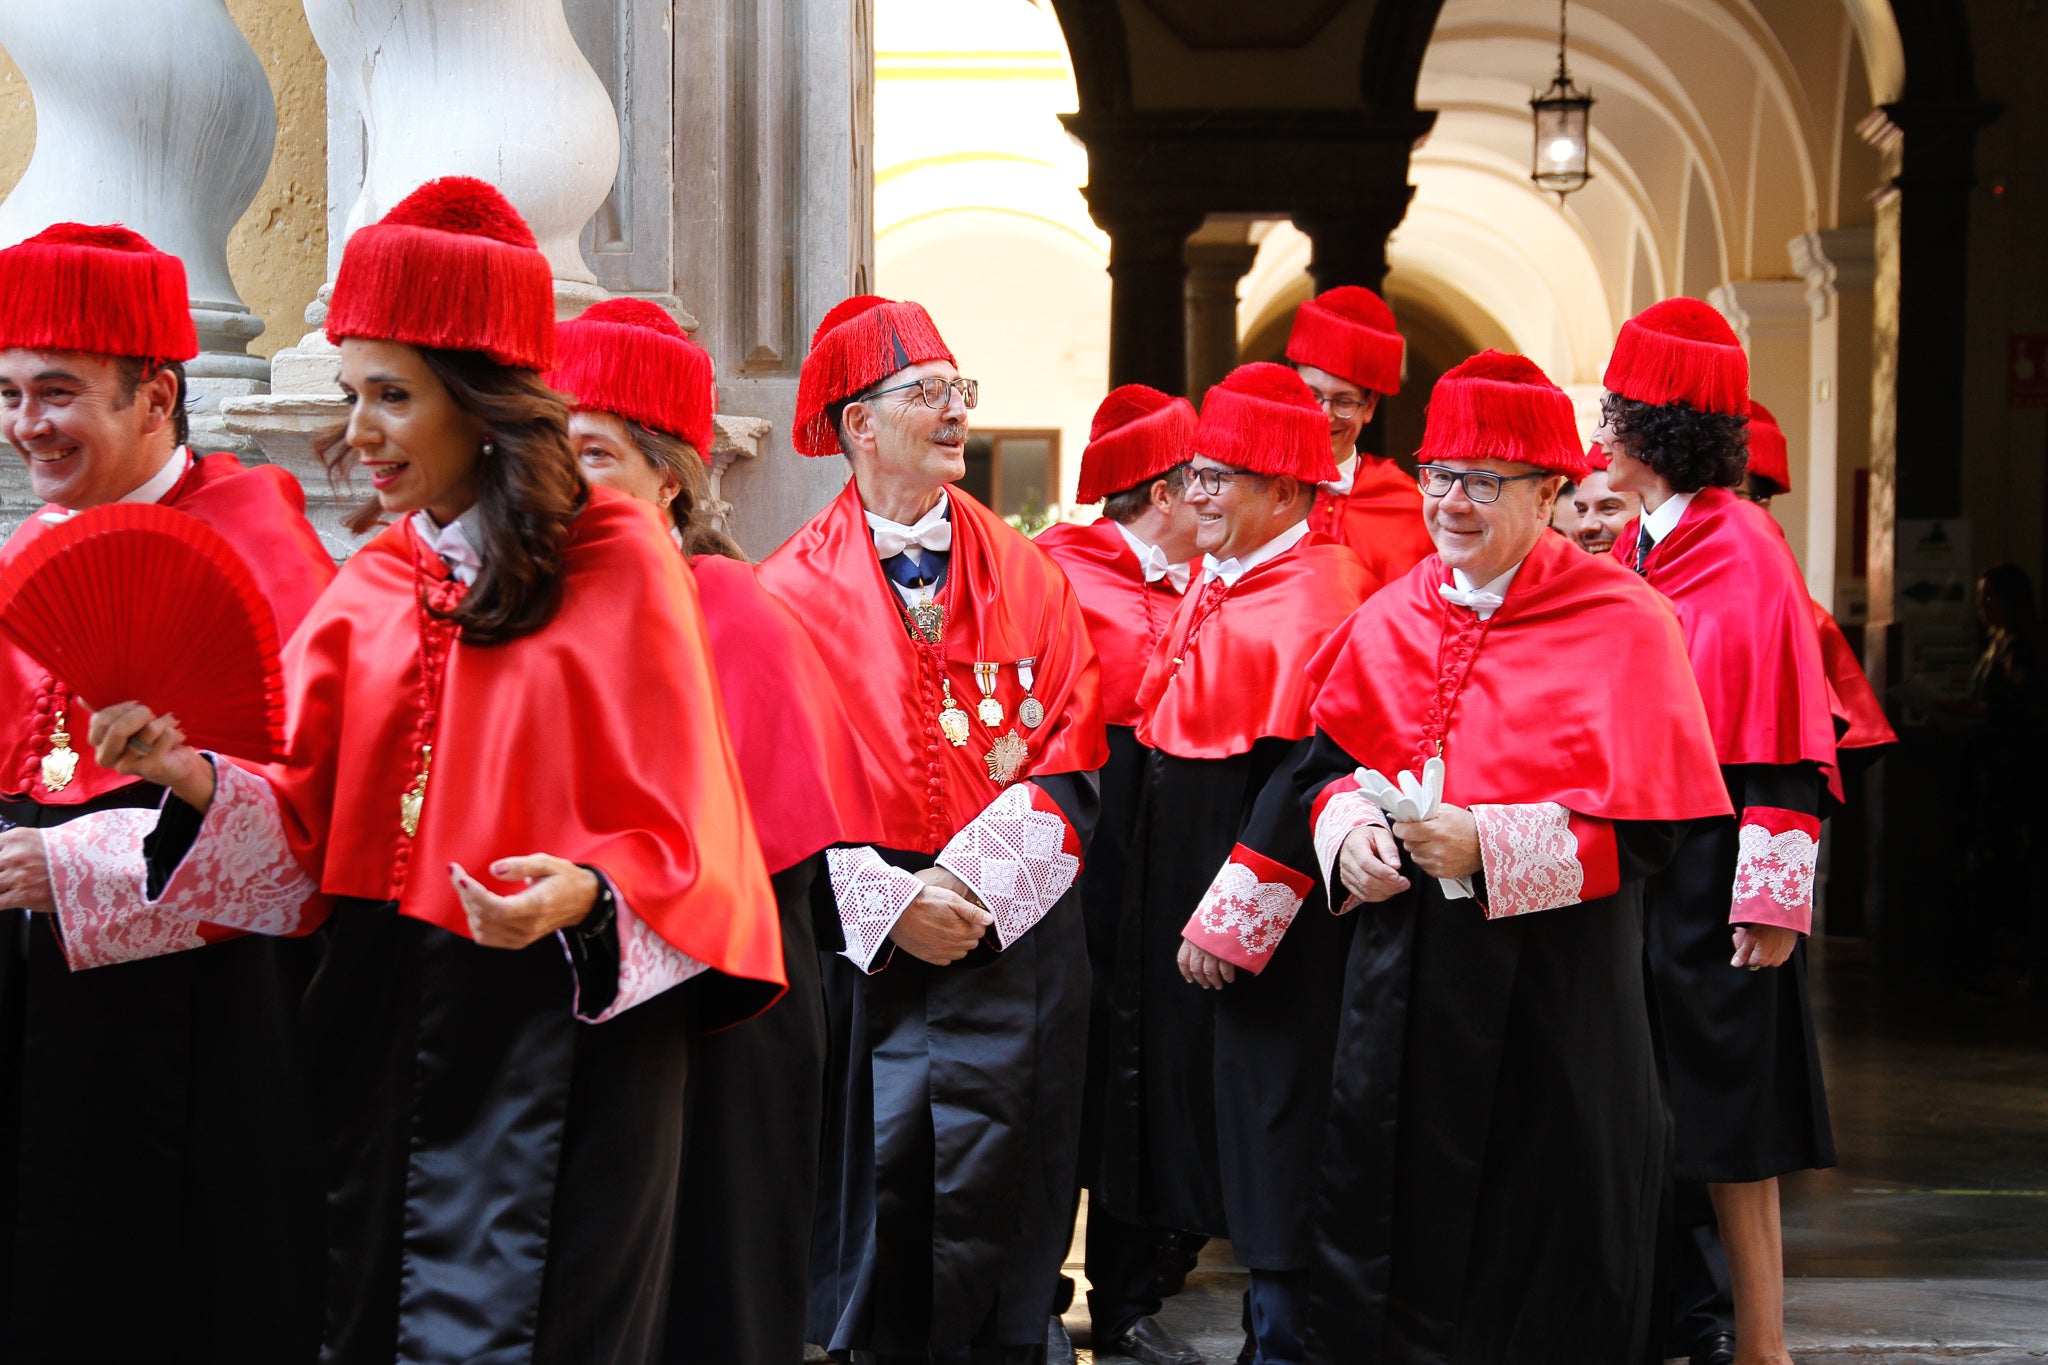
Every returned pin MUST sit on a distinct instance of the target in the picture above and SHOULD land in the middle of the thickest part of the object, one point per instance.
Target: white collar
(1664, 520)
(451, 544)
(1346, 472)
(152, 489)
(941, 511)
(1230, 570)
(1153, 560)
(1494, 593)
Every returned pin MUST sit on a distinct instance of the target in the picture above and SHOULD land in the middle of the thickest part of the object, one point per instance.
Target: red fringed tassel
(1680, 351)
(101, 290)
(617, 360)
(1502, 407)
(1138, 433)
(1264, 418)
(859, 343)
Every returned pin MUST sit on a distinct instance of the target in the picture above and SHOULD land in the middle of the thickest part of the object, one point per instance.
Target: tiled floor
(1928, 1243)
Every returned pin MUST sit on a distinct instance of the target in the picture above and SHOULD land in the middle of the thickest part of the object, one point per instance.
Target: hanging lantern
(1564, 117)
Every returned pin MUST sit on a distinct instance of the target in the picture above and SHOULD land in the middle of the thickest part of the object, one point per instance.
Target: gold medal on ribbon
(990, 710)
(62, 761)
(952, 720)
(1006, 760)
(409, 804)
(1031, 711)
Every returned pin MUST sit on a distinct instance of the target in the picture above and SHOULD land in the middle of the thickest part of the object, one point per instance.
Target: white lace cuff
(1531, 858)
(1777, 852)
(1019, 856)
(871, 896)
(648, 964)
(97, 876)
(240, 871)
(1247, 909)
(1342, 812)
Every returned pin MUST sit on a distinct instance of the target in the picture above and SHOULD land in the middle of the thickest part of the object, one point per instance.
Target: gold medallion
(409, 804)
(990, 710)
(1006, 760)
(61, 762)
(953, 725)
(928, 615)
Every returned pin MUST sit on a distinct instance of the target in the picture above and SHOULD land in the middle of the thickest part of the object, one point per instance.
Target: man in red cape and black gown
(1345, 344)
(1219, 1098)
(755, 1098)
(1492, 1171)
(1129, 569)
(1728, 919)
(959, 1001)
(152, 1118)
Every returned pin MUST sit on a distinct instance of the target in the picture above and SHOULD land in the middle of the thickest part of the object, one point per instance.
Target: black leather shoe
(1718, 1349)
(1147, 1342)
(1250, 1352)
(1059, 1350)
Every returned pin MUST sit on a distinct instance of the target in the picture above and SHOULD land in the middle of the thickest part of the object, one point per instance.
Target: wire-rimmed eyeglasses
(932, 388)
(1480, 486)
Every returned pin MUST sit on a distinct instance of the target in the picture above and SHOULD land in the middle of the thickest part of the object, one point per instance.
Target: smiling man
(1491, 1184)
(153, 1118)
(960, 995)
(1221, 1140)
(1604, 510)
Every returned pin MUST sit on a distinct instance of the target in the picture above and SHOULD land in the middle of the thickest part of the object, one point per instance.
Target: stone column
(1148, 275)
(1214, 269)
(1349, 240)
(164, 122)
(1775, 323)
(497, 89)
(1837, 266)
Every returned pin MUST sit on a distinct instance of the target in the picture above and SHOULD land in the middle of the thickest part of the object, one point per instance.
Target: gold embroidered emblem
(1006, 760)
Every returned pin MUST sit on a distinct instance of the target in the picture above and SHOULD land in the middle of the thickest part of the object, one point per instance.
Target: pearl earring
(490, 446)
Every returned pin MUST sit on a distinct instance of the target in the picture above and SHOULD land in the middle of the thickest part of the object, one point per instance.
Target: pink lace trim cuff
(871, 896)
(1775, 856)
(240, 871)
(1339, 810)
(97, 875)
(648, 965)
(1531, 858)
(1019, 856)
(1247, 909)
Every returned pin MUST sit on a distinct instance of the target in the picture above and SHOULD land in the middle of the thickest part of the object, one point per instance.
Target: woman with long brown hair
(516, 663)
(642, 424)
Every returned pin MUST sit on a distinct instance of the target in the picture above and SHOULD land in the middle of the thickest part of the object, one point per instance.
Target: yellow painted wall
(278, 252)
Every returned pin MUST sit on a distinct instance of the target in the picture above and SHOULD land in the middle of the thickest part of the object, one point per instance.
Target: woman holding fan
(517, 663)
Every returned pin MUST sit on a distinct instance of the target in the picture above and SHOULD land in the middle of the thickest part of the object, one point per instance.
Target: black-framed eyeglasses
(932, 388)
(1480, 486)
(1211, 480)
(1343, 406)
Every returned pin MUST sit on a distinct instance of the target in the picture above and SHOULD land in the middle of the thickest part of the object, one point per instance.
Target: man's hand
(25, 872)
(1444, 845)
(127, 738)
(558, 894)
(1204, 968)
(1369, 864)
(1763, 945)
(943, 923)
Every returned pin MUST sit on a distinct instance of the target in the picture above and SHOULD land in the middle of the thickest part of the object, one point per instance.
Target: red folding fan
(136, 602)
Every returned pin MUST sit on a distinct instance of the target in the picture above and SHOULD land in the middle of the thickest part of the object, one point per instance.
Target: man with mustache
(960, 995)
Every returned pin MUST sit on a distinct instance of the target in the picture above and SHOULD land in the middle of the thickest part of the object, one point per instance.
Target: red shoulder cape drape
(598, 738)
(1125, 614)
(1243, 676)
(1576, 691)
(790, 730)
(1005, 601)
(1380, 519)
(262, 513)
(1749, 631)
(1858, 703)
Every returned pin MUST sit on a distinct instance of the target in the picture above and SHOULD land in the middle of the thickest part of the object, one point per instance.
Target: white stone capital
(1833, 261)
(1754, 307)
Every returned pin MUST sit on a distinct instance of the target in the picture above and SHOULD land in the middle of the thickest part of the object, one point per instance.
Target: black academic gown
(1103, 890)
(975, 1070)
(1494, 1157)
(162, 1201)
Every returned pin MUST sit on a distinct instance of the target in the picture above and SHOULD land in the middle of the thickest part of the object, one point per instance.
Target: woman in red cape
(512, 802)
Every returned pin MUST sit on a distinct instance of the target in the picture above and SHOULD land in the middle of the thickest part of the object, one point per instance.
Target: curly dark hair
(529, 490)
(1683, 446)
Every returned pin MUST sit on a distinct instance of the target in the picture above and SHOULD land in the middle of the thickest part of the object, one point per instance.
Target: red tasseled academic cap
(1349, 332)
(1770, 461)
(454, 267)
(101, 289)
(857, 345)
(1263, 417)
(1139, 433)
(1680, 351)
(1596, 458)
(629, 357)
(1497, 406)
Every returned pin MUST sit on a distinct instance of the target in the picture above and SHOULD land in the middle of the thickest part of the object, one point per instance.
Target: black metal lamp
(1564, 117)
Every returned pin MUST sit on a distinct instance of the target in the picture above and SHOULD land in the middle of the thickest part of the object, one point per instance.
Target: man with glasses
(1216, 1099)
(1491, 1187)
(1129, 569)
(1345, 345)
(959, 999)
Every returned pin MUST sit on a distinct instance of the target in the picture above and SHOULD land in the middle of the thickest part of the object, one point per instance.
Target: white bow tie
(1156, 566)
(1477, 599)
(451, 546)
(891, 541)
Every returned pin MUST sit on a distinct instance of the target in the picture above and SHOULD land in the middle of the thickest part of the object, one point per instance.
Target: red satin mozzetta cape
(262, 513)
(1749, 630)
(1005, 601)
(1577, 690)
(598, 738)
(1380, 519)
(1125, 614)
(1857, 700)
(804, 777)
(1243, 677)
